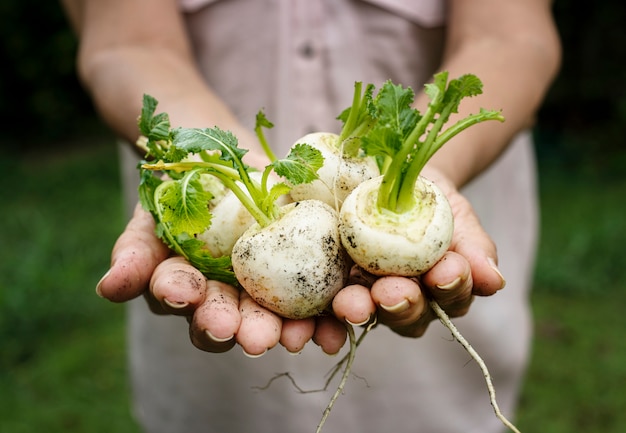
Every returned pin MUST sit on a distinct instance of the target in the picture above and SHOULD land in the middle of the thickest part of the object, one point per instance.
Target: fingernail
(218, 339)
(254, 356)
(294, 353)
(453, 285)
(360, 323)
(175, 305)
(493, 265)
(398, 308)
(98, 289)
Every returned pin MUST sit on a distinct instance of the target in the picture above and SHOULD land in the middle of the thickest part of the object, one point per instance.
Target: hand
(467, 269)
(219, 315)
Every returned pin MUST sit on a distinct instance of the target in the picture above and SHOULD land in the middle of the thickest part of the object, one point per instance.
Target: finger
(354, 304)
(178, 286)
(296, 333)
(330, 334)
(217, 320)
(450, 283)
(403, 307)
(135, 255)
(472, 242)
(260, 328)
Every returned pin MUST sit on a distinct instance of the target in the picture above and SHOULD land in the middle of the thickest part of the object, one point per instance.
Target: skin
(512, 46)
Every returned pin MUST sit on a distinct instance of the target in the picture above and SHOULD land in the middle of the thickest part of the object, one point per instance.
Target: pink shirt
(298, 60)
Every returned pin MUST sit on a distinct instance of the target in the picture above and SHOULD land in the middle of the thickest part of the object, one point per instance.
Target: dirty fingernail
(175, 305)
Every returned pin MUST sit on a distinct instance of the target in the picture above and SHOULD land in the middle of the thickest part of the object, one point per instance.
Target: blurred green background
(62, 360)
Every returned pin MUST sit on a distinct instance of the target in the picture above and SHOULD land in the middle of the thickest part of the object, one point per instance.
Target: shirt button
(307, 50)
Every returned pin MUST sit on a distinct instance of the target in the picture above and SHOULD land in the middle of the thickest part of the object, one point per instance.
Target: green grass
(62, 360)
(62, 357)
(578, 370)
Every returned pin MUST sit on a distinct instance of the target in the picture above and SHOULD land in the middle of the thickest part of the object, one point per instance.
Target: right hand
(219, 315)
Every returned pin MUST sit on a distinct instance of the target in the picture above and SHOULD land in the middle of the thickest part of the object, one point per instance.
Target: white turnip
(295, 265)
(345, 164)
(339, 175)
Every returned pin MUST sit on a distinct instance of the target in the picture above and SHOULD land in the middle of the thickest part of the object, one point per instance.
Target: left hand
(468, 268)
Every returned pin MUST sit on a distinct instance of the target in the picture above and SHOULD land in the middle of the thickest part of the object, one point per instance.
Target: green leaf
(195, 140)
(184, 205)
(262, 121)
(393, 103)
(154, 126)
(219, 269)
(301, 165)
(382, 141)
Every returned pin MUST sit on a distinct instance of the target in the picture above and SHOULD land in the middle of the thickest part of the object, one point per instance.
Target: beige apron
(298, 60)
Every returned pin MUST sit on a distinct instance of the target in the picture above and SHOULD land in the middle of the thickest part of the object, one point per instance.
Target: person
(217, 62)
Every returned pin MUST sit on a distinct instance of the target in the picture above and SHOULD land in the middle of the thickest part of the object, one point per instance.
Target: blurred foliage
(582, 120)
(40, 95)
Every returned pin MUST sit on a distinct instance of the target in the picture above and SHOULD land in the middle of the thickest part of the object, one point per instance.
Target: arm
(128, 48)
(514, 48)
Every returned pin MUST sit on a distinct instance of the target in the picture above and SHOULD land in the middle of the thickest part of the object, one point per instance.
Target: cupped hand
(467, 269)
(219, 315)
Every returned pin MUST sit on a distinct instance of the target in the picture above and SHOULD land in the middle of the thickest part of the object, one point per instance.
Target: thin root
(445, 320)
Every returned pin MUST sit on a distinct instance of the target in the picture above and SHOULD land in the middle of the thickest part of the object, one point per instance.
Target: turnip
(345, 165)
(229, 220)
(401, 223)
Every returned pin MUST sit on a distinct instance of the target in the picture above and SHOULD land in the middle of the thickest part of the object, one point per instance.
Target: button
(307, 50)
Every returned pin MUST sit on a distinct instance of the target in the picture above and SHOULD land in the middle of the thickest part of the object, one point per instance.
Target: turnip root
(388, 243)
(229, 221)
(345, 165)
(339, 175)
(295, 265)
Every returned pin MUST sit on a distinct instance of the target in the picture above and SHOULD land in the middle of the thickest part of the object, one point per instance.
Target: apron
(298, 60)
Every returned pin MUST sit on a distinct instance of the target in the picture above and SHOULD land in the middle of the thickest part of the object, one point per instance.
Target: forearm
(516, 67)
(123, 55)
(117, 91)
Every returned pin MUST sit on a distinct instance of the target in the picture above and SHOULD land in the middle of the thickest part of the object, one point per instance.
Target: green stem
(392, 178)
(355, 109)
(264, 144)
(166, 232)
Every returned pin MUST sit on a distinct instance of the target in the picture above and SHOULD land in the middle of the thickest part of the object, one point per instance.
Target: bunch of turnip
(290, 259)
(294, 258)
